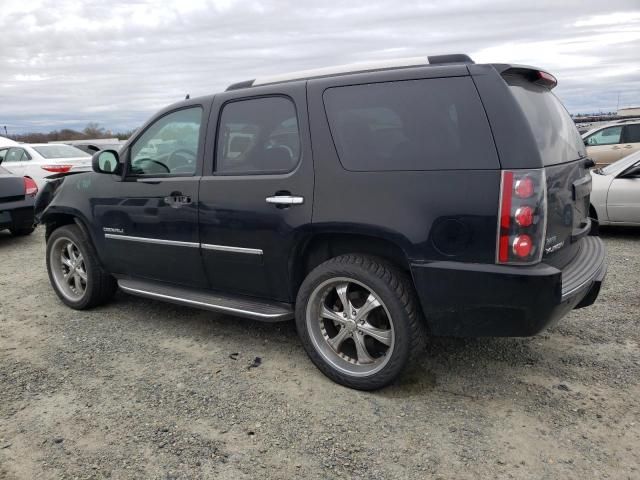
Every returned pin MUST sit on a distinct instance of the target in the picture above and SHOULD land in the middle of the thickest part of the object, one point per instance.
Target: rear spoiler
(532, 74)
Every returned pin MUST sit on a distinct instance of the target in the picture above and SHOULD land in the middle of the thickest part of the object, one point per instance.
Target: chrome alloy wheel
(68, 268)
(350, 326)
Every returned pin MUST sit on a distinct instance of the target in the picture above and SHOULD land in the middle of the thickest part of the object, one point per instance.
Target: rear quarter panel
(431, 215)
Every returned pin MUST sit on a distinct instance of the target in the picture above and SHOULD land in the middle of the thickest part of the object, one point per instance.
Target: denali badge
(112, 230)
(554, 248)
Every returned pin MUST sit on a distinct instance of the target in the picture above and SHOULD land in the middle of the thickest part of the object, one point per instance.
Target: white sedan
(39, 160)
(615, 195)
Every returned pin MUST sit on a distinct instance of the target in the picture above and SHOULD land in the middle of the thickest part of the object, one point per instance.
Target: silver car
(39, 160)
(615, 196)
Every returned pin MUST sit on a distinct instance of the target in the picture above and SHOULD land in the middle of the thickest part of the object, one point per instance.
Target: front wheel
(358, 320)
(74, 271)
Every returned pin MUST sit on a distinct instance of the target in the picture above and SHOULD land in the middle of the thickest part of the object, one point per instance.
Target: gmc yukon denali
(377, 204)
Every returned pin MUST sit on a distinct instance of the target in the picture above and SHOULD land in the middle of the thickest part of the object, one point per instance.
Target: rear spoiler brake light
(534, 75)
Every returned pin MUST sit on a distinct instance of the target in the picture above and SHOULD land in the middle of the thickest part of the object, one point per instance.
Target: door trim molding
(156, 241)
(176, 243)
(226, 248)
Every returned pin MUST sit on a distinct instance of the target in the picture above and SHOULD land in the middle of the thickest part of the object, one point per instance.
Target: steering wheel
(285, 147)
(176, 154)
(141, 160)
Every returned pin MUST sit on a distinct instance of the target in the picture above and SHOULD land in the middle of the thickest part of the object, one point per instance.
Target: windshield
(555, 132)
(60, 151)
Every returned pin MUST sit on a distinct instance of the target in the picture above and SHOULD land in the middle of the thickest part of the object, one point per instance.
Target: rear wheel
(358, 320)
(74, 271)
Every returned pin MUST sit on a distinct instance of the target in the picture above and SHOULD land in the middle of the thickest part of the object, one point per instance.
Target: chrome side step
(248, 307)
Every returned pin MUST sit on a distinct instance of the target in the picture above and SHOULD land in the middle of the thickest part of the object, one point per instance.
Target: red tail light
(522, 217)
(30, 187)
(546, 79)
(57, 168)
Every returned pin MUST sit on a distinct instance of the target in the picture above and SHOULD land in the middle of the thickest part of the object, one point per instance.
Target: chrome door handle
(628, 146)
(285, 200)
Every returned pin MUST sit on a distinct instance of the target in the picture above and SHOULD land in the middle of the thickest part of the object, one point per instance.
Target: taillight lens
(57, 168)
(522, 217)
(30, 187)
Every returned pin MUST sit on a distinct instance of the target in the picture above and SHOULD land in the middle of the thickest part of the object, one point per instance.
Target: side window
(632, 133)
(168, 146)
(606, 136)
(17, 155)
(428, 124)
(258, 136)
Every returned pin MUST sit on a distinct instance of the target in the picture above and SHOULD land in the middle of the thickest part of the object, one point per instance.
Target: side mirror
(586, 142)
(106, 161)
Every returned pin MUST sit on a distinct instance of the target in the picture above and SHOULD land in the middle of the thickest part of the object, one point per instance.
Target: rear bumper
(468, 300)
(18, 214)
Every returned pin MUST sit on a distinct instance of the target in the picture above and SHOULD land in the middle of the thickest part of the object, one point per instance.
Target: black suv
(375, 204)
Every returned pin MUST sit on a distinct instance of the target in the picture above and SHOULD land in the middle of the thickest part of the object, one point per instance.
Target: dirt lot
(142, 389)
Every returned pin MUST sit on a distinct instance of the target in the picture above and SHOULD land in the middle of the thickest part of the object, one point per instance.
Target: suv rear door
(256, 194)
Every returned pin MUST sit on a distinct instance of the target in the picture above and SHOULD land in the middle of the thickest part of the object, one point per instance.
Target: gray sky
(66, 63)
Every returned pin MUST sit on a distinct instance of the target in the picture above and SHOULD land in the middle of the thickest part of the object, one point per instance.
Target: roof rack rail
(355, 68)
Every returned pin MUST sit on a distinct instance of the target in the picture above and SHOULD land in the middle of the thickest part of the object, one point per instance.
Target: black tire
(396, 291)
(100, 286)
(21, 232)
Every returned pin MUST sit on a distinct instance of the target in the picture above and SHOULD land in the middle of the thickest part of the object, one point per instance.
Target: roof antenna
(187, 97)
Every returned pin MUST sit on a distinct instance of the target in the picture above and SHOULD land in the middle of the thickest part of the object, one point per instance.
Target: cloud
(67, 63)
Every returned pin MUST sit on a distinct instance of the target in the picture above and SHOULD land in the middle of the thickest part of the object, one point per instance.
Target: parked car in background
(615, 195)
(609, 143)
(7, 142)
(92, 148)
(17, 197)
(39, 160)
(434, 186)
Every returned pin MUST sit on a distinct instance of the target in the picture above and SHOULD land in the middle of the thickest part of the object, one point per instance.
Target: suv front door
(257, 193)
(151, 224)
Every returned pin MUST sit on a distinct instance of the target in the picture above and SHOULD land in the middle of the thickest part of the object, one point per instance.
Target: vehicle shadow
(6, 239)
(442, 356)
(630, 233)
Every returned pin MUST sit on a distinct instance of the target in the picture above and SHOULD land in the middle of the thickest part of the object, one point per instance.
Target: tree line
(91, 131)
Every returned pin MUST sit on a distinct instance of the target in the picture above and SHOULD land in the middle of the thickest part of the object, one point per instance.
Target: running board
(249, 307)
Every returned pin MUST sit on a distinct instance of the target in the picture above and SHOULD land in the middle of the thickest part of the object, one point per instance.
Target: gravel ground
(143, 389)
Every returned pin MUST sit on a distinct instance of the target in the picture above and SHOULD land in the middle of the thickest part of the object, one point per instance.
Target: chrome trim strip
(156, 241)
(200, 304)
(225, 248)
(206, 246)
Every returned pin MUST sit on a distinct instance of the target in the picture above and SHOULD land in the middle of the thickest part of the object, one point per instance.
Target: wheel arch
(56, 219)
(322, 246)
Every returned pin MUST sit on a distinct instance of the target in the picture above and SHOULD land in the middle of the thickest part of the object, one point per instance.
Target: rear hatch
(566, 166)
(11, 187)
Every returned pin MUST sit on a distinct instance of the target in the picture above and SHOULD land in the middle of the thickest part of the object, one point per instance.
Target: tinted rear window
(554, 130)
(433, 124)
